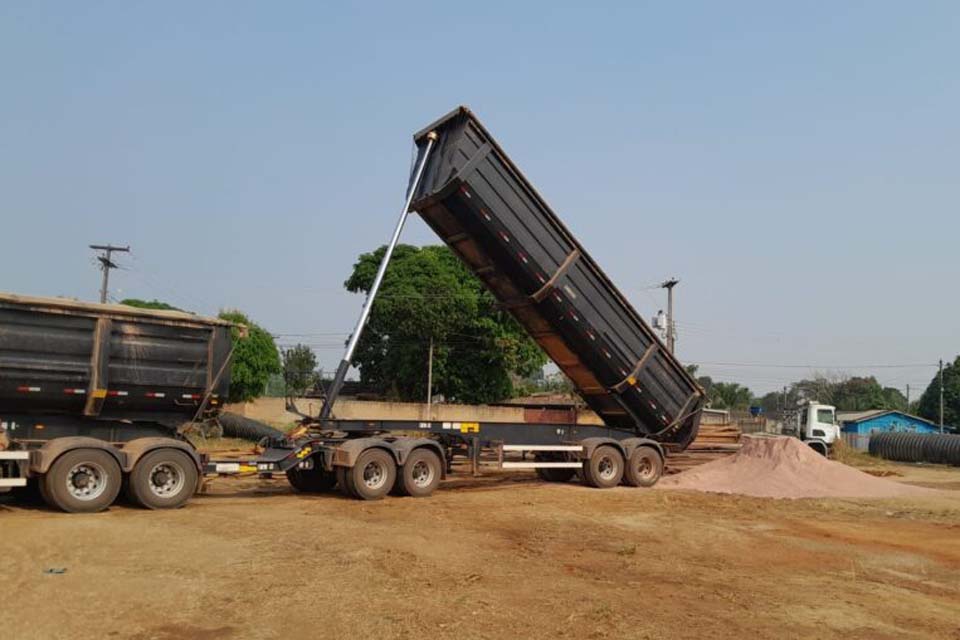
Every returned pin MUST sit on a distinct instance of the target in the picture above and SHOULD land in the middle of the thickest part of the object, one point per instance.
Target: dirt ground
(496, 557)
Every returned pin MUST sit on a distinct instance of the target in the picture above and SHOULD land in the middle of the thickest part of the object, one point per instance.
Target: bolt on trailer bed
(469, 191)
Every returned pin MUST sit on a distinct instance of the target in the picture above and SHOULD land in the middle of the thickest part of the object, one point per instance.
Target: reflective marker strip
(190, 396)
(156, 394)
(75, 392)
(28, 389)
(112, 393)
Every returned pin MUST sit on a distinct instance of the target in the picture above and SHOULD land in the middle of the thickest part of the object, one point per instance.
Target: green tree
(299, 369)
(729, 395)
(255, 358)
(859, 393)
(429, 295)
(704, 381)
(929, 406)
(149, 304)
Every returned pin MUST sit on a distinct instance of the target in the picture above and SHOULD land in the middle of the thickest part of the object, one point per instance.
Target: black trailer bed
(483, 207)
(108, 361)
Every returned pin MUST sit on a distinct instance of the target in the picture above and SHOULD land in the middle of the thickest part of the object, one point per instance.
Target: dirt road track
(490, 559)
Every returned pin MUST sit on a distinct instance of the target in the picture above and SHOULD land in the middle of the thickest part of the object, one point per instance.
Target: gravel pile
(782, 467)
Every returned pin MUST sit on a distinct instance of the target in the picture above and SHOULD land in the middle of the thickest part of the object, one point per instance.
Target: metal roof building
(867, 422)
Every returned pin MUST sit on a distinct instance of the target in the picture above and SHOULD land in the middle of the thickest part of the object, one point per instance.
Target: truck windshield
(825, 416)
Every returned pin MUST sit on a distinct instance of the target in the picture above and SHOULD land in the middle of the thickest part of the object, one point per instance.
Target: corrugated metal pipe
(935, 448)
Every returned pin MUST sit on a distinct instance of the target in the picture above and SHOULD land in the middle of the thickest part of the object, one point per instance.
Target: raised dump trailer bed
(481, 205)
(475, 198)
(91, 395)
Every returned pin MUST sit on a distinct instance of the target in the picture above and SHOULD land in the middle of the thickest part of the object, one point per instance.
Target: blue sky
(797, 165)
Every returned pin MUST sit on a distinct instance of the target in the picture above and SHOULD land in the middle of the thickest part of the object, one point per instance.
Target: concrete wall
(273, 410)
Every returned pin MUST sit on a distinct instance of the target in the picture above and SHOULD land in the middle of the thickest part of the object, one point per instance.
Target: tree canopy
(858, 393)
(428, 294)
(255, 358)
(299, 369)
(729, 395)
(149, 304)
(929, 406)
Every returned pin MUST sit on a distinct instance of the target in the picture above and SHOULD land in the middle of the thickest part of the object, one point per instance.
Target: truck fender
(136, 449)
(589, 444)
(43, 458)
(630, 444)
(403, 448)
(346, 453)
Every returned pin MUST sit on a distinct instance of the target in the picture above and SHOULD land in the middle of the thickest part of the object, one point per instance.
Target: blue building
(866, 422)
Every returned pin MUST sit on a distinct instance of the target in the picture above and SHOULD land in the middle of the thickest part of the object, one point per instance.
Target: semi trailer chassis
(559, 451)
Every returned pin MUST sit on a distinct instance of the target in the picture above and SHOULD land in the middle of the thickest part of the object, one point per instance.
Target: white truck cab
(816, 424)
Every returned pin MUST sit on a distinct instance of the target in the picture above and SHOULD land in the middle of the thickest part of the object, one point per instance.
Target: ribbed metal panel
(480, 204)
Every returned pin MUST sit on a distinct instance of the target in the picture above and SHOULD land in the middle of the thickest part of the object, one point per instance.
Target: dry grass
(842, 452)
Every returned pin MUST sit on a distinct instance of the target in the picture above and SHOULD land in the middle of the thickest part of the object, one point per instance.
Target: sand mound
(783, 467)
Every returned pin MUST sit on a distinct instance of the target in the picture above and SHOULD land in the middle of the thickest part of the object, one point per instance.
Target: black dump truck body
(108, 362)
(477, 200)
(92, 395)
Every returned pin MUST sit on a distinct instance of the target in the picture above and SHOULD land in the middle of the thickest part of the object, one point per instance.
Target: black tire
(82, 481)
(31, 494)
(556, 475)
(343, 481)
(644, 467)
(604, 469)
(163, 479)
(311, 480)
(235, 426)
(420, 475)
(373, 475)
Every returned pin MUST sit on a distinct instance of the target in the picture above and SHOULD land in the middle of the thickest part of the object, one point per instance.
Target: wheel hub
(86, 481)
(166, 480)
(607, 468)
(422, 474)
(373, 475)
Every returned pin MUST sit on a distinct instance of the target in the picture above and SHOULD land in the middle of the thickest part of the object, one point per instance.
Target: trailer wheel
(420, 475)
(604, 469)
(342, 474)
(548, 474)
(82, 481)
(556, 475)
(373, 475)
(643, 468)
(311, 480)
(163, 479)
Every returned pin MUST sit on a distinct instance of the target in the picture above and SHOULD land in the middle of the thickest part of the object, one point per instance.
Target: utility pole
(106, 264)
(908, 398)
(671, 327)
(941, 395)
